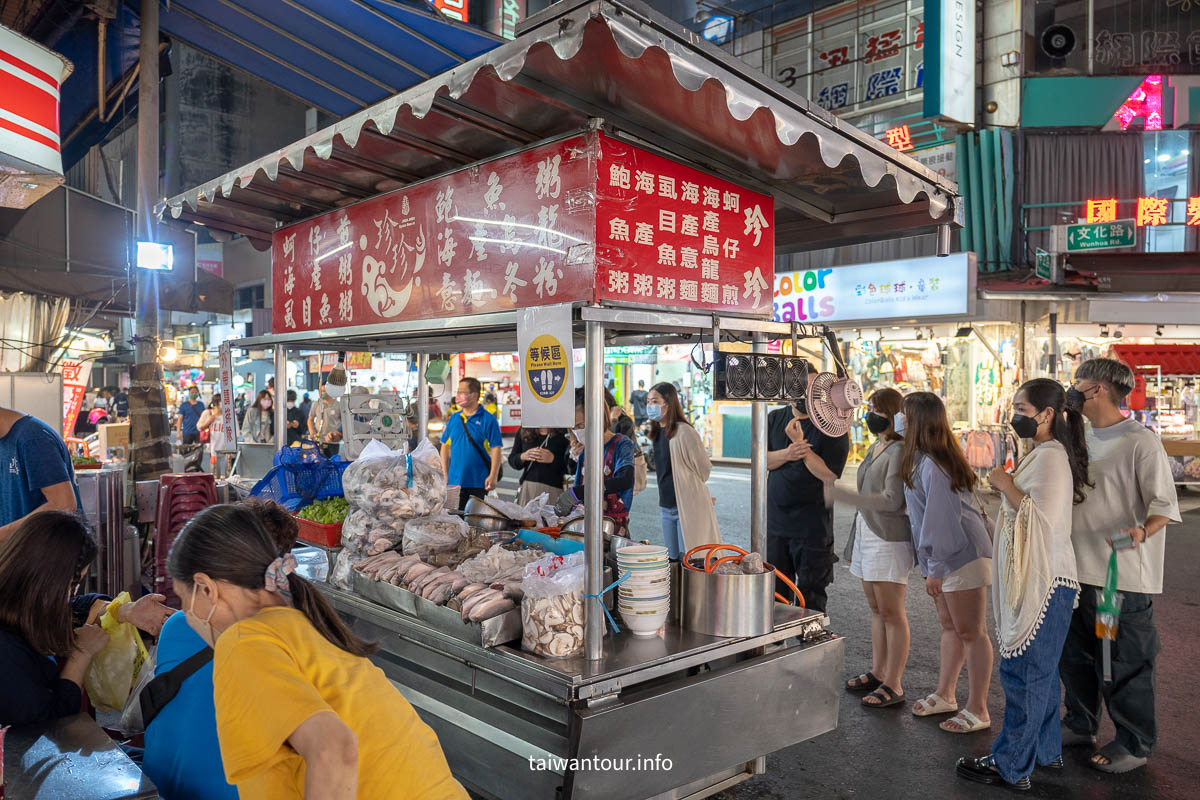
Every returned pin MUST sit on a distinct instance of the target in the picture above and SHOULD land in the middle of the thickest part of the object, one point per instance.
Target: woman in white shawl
(682, 467)
(1034, 584)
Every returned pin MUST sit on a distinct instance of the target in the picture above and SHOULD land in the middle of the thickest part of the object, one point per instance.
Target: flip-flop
(885, 695)
(965, 722)
(933, 704)
(1120, 760)
(869, 685)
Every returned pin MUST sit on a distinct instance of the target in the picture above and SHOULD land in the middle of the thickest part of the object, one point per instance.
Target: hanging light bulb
(335, 384)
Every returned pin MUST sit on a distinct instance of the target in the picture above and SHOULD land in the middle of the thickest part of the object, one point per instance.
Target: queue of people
(1045, 560)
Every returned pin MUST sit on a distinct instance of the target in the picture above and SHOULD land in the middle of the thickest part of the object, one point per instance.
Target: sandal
(884, 695)
(933, 704)
(867, 682)
(1119, 759)
(965, 722)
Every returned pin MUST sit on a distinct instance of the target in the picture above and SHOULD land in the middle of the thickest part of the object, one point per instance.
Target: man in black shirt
(637, 400)
(799, 526)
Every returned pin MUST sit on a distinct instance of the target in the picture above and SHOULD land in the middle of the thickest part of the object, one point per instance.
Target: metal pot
(490, 523)
(718, 604)
(576, 525)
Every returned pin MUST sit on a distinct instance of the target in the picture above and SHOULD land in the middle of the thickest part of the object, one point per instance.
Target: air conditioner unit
(733, 376)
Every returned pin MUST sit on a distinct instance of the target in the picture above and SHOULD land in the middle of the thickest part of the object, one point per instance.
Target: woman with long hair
(47, 640)
(882, 553)
(301, 711)
(1034, 583)
(682, 467)
(541, 455)
(258, 426)
(954, 553)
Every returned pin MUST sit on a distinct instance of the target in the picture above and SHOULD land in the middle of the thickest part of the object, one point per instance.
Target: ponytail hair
(1066, 426)
(236, 544)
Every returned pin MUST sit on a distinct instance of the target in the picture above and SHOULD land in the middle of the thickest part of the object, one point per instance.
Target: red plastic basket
(317, 533)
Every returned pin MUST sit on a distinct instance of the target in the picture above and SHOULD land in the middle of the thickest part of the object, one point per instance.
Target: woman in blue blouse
(954, 553)
(619, 453)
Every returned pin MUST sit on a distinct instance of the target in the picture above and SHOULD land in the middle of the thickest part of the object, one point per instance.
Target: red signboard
(75, 376)
(670, 235)
(586, 219)
(506, 234)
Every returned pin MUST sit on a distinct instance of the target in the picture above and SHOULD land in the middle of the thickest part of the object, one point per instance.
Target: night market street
(889, 753)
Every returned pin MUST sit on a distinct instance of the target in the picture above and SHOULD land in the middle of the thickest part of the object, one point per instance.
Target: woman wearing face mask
(882, 553)
(619, 453)
(1034, 583)
(682, 467)
(301, 712)
(954, 553)
(258, 426)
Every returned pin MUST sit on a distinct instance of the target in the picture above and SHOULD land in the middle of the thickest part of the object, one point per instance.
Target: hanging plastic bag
(393, 485)
(428, 536)
(115, 669)
(552, 608)
(131, 716)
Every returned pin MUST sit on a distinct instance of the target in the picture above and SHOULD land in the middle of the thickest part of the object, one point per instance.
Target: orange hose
(788, 582)
(782, 599)
(708, 565)
(688, 555)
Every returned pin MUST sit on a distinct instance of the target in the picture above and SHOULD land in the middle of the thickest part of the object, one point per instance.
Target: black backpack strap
(163, 688)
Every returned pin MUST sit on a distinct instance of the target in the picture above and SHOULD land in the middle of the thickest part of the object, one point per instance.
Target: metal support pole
(758, 467)
(150, 431)
(1054, 341)
(593, 470)
(422, 397)
(280, 399)
(1021, 376)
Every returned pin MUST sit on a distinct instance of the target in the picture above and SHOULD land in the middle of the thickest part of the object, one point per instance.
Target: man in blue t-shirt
(189, 417)
(35, 470)
(471, 445)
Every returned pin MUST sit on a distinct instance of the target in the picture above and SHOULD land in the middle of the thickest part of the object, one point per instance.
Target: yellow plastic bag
(114, 670)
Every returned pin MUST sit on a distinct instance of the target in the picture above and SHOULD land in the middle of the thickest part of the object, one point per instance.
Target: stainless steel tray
(501, 629)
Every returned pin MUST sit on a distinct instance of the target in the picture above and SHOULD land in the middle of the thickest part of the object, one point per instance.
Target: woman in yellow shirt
(301, 711)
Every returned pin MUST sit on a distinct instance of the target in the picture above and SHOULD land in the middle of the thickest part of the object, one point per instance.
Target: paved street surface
(889, 753)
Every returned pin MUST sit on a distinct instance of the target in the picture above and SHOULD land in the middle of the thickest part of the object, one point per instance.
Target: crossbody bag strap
(163, 688)
(478, 447)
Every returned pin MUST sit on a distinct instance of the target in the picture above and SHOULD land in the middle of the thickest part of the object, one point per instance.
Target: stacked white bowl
(644, 598)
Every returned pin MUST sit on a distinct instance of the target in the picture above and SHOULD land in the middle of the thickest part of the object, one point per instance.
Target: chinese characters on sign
(899, 138)
(490, 238)
(670, 235)
(1148, 211)
(75, 377)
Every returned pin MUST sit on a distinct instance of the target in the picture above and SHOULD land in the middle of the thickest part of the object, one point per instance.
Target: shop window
(1165, 157)
(250, 297)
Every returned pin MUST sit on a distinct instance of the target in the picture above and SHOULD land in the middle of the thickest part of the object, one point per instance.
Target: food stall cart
(609, 164)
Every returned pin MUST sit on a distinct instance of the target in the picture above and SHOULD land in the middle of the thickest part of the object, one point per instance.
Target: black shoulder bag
(487, 459)
(163, 688)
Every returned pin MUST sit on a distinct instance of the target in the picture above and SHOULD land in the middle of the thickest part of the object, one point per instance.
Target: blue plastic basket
(295, 485)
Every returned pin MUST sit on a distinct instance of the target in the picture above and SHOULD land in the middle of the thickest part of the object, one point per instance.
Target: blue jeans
(672, 533)
(1032, 733)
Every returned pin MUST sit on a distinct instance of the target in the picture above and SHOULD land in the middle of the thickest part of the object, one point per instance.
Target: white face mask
(291, 405)
(202, 627)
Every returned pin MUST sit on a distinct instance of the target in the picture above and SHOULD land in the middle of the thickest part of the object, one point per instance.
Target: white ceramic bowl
(644, 589)
(636, 567)
(642, 553)
(648, 600)
(644, 625)
(634, 583)
(639, 608)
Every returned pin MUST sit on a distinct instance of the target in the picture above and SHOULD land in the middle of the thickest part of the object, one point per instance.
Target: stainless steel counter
(70, 759)
(712, 707)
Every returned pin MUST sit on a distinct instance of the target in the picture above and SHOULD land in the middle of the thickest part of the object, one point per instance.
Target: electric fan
(832, 402)
(795, 378)
(768, 377)
(733, 377)
(373, 416)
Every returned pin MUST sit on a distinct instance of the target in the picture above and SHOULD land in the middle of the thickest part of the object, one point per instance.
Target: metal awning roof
(579, 60)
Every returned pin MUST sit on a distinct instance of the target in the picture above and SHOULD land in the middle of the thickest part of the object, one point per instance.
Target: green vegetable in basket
(326, 512)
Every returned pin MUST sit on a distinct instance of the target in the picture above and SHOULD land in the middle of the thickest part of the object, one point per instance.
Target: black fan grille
(768, 376)
(739, 376)
(795, 378)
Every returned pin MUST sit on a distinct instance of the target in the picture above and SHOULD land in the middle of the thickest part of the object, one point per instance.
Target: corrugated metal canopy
(614, 60)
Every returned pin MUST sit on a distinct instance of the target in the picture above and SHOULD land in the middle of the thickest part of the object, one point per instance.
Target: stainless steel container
(728, 605)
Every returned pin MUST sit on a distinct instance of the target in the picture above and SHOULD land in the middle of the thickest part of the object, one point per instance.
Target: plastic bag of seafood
(429, 536)
(342, 574)
(552, 609)
(394, 486)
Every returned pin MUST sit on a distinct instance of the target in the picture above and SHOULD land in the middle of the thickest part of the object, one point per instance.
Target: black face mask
(1075, 399)
(877, 423)
(801, 405)
(1025, 427)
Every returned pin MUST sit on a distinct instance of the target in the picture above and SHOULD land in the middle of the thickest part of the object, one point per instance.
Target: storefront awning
(1173, 359)
(582, 60)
